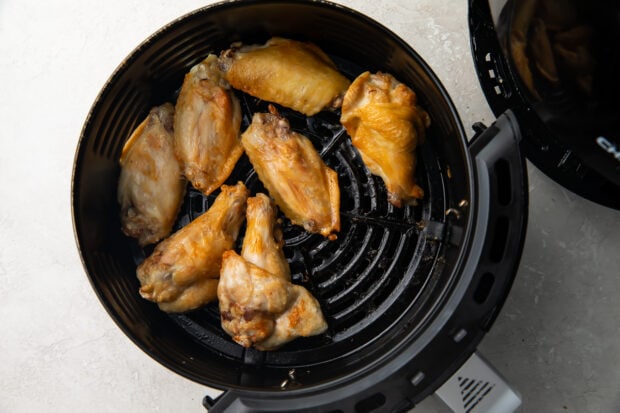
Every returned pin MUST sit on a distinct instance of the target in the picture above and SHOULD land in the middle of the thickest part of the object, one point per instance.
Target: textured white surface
(557, 339)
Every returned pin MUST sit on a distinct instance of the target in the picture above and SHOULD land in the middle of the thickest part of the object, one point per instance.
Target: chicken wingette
(305, 189)
(294, 74)
(385, 123)
(151, 185)
(207, 126)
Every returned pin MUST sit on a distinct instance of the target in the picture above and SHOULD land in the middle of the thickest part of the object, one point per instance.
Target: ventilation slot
(500, 238)
(484, 287)
(473, 392)
(504, 189)
(370, 403)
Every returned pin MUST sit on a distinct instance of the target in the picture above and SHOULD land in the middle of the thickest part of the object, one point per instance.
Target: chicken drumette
(183, 271)
(259, 306)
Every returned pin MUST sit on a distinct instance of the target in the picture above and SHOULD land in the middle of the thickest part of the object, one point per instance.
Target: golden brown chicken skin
(151, 185)
(294, 74)
(288, 165)
(259, 306)
(386, 125)
(207, 126)
(183, 271)
(301, 318)
(263, 240)
(250, 299)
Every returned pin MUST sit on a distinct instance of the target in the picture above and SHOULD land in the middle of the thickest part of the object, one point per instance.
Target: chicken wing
(182, 273)
(206, 127)
(304, 188)
(262, 243)
(385, 124)
(151, 185)
(259, 306)
(250, 299)
(294, 74)
(519, 29)
(301, 318)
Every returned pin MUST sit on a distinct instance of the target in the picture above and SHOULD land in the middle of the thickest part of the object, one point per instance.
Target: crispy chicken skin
(182, 273)
(288, 165)
(151, 185)
(259, 306)
(385, 124)
(207, 126)
(297, 75)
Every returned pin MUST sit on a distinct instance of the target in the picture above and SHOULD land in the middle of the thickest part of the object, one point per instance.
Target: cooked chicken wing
(386, 125)
(262, 243)
(182, 272)
(259, 306)
(206, 127)
(551, 46)
(263, 310)
(301, 318)
(519, 29)
(151, 185)
(250, 299)
(287, 163)
(294, 74)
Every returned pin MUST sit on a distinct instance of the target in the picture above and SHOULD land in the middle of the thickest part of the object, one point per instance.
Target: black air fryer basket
(407, 293)
(571, 138)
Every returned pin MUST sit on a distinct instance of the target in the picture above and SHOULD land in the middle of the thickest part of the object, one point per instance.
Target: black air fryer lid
(556, 65)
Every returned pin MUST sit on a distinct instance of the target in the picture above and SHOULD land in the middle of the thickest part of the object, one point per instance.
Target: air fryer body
(556, 63)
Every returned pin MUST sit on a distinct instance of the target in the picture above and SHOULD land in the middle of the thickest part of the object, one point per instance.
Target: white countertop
(557, 339)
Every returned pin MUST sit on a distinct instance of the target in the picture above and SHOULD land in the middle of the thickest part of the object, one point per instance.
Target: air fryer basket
(573, 159)
(407, 293)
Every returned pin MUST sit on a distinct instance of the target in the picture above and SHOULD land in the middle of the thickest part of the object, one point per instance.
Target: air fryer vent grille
(473, 391)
